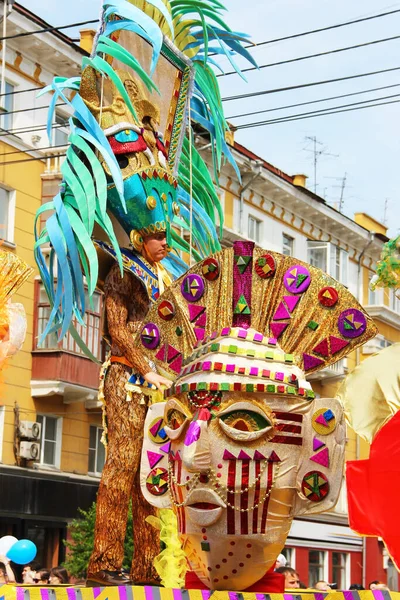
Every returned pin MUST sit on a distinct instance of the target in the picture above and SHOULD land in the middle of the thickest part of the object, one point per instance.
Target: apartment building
(278, 212)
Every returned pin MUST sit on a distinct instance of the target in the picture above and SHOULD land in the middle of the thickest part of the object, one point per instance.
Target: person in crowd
(378, 585)
(29, 571)
(6, 572)
(42, 577)
(357, 586)
(292, 579)
(280, 561)
(322, 586)
(58, 575)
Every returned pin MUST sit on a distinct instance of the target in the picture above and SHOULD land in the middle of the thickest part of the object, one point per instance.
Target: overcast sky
(364, 144)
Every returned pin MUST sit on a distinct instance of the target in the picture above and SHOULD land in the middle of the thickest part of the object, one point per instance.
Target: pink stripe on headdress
(242, 278)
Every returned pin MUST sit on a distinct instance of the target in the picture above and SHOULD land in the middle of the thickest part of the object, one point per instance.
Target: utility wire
(286, 119)
(34, 89)
(30, 109)
(312, 31)
(15, 162)
(2, 154)
(305, 85)
(46, 30)
(307, 57)
(259, 112)
(312, 115)
(20, 130)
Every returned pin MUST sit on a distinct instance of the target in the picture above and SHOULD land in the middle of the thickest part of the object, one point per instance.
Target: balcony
(61, 368)
(336, 371)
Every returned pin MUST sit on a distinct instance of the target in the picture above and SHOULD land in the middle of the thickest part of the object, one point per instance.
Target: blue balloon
(22, 552)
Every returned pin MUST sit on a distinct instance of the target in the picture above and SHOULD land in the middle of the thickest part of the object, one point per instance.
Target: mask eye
(245, 422)
(128, 135)
(175, 420)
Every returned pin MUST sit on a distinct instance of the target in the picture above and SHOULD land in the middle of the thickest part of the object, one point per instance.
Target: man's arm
(119, 291)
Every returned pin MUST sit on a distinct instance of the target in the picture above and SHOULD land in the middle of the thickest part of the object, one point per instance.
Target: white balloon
(5, 543)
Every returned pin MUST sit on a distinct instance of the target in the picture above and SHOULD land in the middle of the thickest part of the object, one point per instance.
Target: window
(254, 229)
(316, 566)
(330, 258)
(318, 255)
(91, 333)
(372, 295)
(7, 106)
(50, 440)
(289, 554)
(287, 245)
(7, 208)
(2, 415)
(97, 455)
(339, 569)
(61, 129)
(394, 300)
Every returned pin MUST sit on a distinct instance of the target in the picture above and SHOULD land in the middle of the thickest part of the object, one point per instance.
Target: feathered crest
(195, 28)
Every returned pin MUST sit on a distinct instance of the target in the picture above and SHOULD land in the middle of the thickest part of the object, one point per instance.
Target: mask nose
(197, 449)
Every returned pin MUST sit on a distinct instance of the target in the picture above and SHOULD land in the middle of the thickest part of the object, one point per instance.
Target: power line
(20, 130)
(299, 58)
(30, 109)
(258, 112)
(305, 85)
(286, 119)
(2, 154)
(47, 29)
(15, 162)
(34, 89)
(321, 110)
(319, 30)
(313, 114)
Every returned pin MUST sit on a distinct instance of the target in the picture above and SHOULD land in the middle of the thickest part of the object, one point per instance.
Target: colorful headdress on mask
(130, 158)
(316, 320)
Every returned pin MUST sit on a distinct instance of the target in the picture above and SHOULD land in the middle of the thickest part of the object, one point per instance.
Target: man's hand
(158, 380)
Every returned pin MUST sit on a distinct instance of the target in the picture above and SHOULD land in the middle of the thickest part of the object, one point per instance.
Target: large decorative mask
(242, 446)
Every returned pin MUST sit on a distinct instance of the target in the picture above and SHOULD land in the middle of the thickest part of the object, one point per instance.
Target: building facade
(278, 212)
(54, 385)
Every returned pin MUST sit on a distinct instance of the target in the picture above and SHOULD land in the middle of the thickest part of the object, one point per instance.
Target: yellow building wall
(25, 179)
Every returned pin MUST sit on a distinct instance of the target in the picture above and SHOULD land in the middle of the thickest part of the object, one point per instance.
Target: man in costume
(126, 304)
(132, 172)
(249, 446)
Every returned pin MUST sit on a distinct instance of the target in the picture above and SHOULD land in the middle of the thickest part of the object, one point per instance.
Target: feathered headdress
(130, 157)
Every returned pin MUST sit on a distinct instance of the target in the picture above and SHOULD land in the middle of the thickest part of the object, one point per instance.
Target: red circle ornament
(328, 297)
(166, 310)
(210, 269)
(157, 481)
(265, 266)
(315, 486)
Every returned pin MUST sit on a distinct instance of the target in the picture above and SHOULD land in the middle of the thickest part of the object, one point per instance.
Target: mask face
(236, 468)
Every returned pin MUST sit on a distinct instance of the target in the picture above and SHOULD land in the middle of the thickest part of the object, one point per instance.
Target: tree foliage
(80, 546)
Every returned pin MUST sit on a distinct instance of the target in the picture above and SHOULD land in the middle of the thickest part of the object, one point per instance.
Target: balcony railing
(338, 369)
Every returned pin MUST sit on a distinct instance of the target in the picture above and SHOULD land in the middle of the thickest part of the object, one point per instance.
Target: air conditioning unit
(29, 450)
(30, 429)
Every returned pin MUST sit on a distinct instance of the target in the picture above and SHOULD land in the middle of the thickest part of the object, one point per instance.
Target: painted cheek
(192, 434)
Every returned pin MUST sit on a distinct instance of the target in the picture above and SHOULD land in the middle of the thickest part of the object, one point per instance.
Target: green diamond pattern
(242, 308)
(242, 262)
